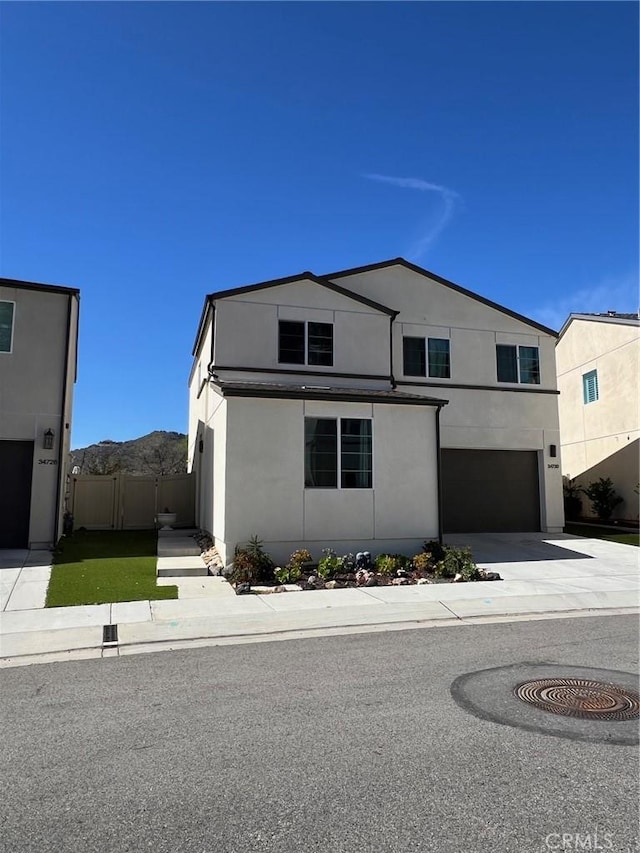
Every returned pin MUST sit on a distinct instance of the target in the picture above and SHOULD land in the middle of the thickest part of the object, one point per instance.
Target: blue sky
(155, 152)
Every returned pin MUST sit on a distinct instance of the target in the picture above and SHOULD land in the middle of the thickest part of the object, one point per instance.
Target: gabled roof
(451, 285)
(292, 279)
(305, 276)
(34, 285)
(609, 317)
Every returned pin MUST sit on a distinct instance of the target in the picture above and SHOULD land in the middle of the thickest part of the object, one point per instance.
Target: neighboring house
(38, 339)
(371, 408)
(598, 363)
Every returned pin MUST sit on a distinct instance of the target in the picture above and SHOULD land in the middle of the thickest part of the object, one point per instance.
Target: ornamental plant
(423, 562)
(292, 572)
(251, 564)
(603, 497)
(389, 564)
(330, 564)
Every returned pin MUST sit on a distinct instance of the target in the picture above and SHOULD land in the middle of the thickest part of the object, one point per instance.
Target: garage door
(490, 491)
(16, 465)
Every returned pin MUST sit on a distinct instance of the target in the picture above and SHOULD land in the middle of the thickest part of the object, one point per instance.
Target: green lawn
(98, 567)
(596, 532)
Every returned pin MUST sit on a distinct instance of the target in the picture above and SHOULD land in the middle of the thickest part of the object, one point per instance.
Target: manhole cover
(581, 697)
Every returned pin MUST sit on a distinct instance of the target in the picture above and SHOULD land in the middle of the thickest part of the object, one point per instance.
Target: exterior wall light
(552, 451)
(47, 440)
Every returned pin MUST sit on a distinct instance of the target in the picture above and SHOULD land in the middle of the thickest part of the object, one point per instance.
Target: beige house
(38, 341)
(370, 408)
(598, 363)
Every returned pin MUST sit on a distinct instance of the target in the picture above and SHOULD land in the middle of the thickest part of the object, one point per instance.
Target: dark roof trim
(34, 285)
(619, 320)
(518, 389)
(343, 395)
(327, 375)
(421, 271)
(201, 324)
(304, 276)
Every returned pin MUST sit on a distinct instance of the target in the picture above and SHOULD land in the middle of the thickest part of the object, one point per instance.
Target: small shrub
(251, 564)
(423, 562)
(572, 501)
(603, 497)
(457, 561)
(435, 548)
(292, 572)
(389, 564)
(330, 564)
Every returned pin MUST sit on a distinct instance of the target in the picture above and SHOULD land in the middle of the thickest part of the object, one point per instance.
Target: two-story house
(38, 339)
(371, 408)
(598, 364)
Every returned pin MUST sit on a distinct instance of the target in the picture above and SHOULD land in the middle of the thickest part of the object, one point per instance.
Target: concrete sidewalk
(556, 575)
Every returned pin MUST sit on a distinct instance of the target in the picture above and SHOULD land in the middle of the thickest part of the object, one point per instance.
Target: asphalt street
(347, 743)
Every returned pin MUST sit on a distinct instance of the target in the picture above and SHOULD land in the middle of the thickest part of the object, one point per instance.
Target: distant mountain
(157, 453)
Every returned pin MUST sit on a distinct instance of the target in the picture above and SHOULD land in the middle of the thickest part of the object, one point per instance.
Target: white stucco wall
(247, 329)
(609, 427)
(33, 378)
(511, 417)
(265, 493)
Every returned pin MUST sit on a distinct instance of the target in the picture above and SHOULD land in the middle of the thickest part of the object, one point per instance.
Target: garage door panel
(490, 491)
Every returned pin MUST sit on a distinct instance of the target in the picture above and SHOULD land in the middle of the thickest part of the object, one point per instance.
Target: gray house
(38, 353)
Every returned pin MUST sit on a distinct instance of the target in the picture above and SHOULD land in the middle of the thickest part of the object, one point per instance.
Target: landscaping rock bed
(253, 571)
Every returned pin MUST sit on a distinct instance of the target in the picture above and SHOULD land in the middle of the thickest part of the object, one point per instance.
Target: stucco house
(38, 340)
(370, 408)
(598, 363)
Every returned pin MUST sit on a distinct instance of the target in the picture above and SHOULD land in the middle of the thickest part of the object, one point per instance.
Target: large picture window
(338, 451)
(518, 364)
(301, 342)
(426, 357)
(6, 326)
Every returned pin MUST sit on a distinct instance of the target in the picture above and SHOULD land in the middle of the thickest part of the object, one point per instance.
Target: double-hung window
(6, 326)
(304, 342)
(590, 386)
(518, 364)
(422, 354)
(338, 451)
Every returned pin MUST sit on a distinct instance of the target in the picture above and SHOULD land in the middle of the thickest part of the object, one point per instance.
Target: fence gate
(130, 501)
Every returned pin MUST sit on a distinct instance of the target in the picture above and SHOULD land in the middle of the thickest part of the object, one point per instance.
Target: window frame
(518, 380)
(586, 377)
(13, 326)
(306, 324)
(425, 357)
(338, 419)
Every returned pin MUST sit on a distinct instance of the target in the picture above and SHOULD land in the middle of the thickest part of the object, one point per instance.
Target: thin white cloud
(611, 294)
(450, 199)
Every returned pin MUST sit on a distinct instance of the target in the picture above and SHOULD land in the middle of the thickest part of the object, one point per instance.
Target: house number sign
(552, 465)
(47, 461)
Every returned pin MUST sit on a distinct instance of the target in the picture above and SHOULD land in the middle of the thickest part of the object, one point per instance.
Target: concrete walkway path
(544, 576)
(24, 578)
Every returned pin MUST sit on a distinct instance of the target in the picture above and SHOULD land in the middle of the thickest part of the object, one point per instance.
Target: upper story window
(304, 342)
(327, 463)
(518, 364)
(590, 386)
(7, 310)
(420, 354)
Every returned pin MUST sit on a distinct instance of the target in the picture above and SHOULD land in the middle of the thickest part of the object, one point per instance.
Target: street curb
(99, 651)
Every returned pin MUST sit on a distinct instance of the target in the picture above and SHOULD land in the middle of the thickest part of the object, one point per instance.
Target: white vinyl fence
(130, 501)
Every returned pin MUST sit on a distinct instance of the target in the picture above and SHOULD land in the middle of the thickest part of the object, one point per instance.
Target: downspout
(213, 335)
(439, 474)
(391, 376)
(63, 425)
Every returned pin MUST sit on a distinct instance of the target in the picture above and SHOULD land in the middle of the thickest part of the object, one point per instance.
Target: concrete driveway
(558, 557)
